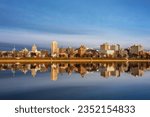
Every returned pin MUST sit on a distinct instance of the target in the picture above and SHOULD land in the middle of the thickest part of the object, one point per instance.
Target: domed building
(34, 52)
(34, 48)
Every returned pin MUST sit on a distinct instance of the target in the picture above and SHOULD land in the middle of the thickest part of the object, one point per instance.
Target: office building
(135, 49)
(54, 49)
(105, 46)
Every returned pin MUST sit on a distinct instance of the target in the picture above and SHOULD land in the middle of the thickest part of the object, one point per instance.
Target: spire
(14, 49)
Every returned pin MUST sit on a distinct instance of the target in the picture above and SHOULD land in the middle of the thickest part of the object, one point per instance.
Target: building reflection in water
(106, 70)
(54, 71)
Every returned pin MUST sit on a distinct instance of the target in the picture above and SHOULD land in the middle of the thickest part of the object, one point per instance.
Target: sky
(75, 22)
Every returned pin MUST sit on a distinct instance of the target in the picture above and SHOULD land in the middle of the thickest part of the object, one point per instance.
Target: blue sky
(70, 22)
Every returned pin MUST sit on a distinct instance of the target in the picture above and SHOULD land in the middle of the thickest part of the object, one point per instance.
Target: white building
(34, 48)
(108, 50)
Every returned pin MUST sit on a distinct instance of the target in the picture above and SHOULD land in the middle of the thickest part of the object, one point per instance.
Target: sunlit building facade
(54, 49)
(135, 49)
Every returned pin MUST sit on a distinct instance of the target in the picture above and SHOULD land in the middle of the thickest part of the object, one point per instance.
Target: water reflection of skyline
(106, 70)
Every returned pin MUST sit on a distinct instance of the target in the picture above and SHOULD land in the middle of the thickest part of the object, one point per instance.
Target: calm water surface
(75, 81)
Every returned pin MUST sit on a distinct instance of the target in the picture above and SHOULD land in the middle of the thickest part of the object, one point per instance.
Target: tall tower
(54, 49)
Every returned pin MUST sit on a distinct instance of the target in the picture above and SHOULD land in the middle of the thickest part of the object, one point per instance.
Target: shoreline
(74, 60)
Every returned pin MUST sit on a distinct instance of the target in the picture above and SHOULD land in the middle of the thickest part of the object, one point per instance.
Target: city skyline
(35, 21)
(105, 50)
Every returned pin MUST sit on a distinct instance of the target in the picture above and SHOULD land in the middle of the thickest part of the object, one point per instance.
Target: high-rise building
(135, 49)
(105, 46)
(109, 50)
(115, 47)
(54, 49)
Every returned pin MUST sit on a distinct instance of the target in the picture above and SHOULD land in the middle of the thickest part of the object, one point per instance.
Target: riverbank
(72, 60)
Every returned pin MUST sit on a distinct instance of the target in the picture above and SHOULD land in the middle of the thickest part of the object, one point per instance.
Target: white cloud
(44, 39)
